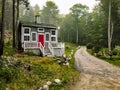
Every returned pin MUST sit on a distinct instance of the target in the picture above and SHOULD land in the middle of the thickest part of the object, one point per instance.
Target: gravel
(95, 74)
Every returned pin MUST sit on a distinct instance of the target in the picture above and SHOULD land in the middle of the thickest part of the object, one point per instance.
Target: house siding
(57, 51)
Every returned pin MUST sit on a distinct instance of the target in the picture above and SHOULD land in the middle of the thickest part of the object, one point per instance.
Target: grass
(115, 59)
(43, 69)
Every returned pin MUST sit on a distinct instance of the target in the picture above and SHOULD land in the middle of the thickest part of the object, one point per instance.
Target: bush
(114, 52)
(96, 49)
(89, 46)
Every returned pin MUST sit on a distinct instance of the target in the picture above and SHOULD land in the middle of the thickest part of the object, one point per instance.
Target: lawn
(27, 72)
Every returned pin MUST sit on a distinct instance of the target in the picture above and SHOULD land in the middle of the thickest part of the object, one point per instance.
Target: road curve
(95, 74)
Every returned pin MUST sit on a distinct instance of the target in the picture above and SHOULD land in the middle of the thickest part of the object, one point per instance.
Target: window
(40, 30)
(47, 37)
(26, 31)
(53, 33)
(26, 38)
(53, 38)
(34, 36)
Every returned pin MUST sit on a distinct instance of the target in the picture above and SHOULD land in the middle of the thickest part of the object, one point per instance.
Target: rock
(40, 88)
(66, 64)
(58, 81)
(45, 87)
(64, 56)
(49, 83)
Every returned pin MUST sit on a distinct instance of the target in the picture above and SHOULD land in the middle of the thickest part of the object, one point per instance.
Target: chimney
(37, 19)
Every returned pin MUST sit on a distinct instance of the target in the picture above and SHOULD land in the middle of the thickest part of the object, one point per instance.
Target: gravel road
(95, 74)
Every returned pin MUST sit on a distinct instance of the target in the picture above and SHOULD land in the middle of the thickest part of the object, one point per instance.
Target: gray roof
(40, 25)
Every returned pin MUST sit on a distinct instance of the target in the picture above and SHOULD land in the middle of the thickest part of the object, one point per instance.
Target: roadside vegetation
(103, 53)
(27, 72)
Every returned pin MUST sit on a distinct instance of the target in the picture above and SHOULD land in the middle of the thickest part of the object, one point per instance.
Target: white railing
(58, 45)
(31, 45)
(41, 47)
(55, 46)
(50, 48)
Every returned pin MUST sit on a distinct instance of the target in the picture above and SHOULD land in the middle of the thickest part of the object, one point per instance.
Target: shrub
(114, 52)
(89, 46)
(96, 49)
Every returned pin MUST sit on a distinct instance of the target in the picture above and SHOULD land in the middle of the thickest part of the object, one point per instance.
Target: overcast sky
(64, 5)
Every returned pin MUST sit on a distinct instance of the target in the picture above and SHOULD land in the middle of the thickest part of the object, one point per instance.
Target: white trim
(49, 37)
(55, 36)
(55, 39)
(32, 36)
(23, 33)
(42, 30)
(26, 28)
(55, 32)
(28, 40)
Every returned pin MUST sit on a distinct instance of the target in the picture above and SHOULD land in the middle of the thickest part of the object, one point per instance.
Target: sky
(64, 5)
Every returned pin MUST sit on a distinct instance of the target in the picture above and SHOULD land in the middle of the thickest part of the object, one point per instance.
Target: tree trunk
(14, 24)
(77, 34)
(17, 22)
(109, 28)
(2, 28)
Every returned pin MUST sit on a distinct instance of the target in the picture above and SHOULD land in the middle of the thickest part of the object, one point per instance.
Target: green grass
(43, 69)
(115, 59)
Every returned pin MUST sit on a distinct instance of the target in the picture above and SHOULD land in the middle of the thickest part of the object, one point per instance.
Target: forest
(99, 28)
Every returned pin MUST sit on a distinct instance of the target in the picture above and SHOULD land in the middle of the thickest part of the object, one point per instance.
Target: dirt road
(95, 74)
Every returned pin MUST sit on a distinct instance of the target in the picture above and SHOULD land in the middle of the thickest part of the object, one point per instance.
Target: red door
(41, 39)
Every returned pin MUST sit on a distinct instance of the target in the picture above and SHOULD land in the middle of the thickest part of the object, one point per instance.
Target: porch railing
(33, 45)
(53, 46)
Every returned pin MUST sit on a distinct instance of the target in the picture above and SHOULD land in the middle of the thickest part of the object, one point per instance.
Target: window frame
(26, 40)
(53, 34)
(26, 34)
(32, 36)
(28, 29)
(49, 37)
(52, 40)
(42, 30)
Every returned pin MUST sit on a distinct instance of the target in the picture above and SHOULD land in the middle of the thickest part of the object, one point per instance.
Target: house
(39, 38)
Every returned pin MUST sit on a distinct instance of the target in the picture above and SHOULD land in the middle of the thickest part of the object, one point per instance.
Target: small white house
(39, 38)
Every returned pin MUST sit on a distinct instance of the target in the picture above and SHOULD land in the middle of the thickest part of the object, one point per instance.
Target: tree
(15, 7)
(14, 45)
(111, 8)
(36, 9)
(2, 28)
(28, 15)
(50, 12)
(78, 10)
(8, 15)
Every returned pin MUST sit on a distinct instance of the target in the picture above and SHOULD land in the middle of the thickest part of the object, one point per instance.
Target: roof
(40, 25)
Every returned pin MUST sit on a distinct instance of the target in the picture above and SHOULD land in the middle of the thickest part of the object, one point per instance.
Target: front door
(41, 39)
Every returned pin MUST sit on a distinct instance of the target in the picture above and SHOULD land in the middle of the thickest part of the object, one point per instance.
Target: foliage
(8, 50)
(50, 12)
(89, 46)
(28, 15)
(17, 76)
(96, 49)
(104, 56)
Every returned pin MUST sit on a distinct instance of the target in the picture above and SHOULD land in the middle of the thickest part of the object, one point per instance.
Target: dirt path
(95, 74)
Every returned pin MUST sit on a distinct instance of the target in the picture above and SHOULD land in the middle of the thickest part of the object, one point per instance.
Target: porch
(49, 48)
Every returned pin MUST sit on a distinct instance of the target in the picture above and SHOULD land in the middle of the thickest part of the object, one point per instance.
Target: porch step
(47, 50)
